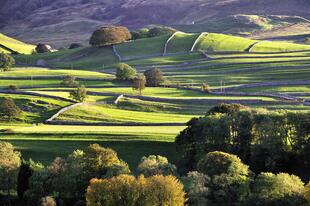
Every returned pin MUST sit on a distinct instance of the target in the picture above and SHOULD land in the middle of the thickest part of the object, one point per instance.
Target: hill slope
(10, 45)
(56, 21)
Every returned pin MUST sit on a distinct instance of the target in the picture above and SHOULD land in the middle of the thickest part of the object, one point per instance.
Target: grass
(35, 71)
(131, 152)
(181, 42)
(222, 42)
(15, 45)
(142, 47)
(106, 113)
(268, 46)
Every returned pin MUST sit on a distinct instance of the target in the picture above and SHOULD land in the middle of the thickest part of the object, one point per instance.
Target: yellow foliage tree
(127, 190)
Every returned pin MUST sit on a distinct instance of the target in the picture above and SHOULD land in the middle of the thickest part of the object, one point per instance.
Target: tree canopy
(125, 72)
(6, 61)
(109, 35)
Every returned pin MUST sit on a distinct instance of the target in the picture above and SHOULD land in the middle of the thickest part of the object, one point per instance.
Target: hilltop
(58, 22)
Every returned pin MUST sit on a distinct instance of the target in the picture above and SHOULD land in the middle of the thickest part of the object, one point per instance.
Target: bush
(155, 165)
(125, 72)
(13, 87)
(154, 77)
(6, 62)
(75, 45)
(43, 48)
(109, 35)
(9, 110)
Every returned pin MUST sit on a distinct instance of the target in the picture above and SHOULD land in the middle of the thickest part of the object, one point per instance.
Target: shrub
(13, 87)
(109, 35)
(125, 72)
(205, 87)
(154, 77)
(155, 165)
(6, 62)
(80, 94)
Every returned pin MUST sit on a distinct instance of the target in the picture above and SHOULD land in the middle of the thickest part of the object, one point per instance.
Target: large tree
(6, 62)
(10, 161)
(109, 35)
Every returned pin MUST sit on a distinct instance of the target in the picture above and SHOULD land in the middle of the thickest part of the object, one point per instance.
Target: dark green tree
(6, 62)
(154, 77)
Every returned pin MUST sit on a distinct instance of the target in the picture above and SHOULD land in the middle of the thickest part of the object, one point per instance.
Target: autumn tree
(125, 72)
(6, 62)
(139, 83)
(154, 77)
(155, 165)
(127, 190)
(10, 161)
(109, 35)
(80, 94)
(307, 192)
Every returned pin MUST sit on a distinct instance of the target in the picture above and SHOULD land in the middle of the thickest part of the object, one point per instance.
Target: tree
(109, 35)
(70, 81)
(164, 190)
(26, 170)
(127, 190)
(227, 108)
(277, 190)
(196, 187)
(9, 110)
(6, 62)
(155, 165)
(9, 163)
(125, 72)
(80, 94)
(47, 201)
(154, 77)
(139, 83)
(229, 176)
(206, 87)
(43, 48)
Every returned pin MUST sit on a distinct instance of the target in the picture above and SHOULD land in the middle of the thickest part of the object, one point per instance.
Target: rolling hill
(63, 22)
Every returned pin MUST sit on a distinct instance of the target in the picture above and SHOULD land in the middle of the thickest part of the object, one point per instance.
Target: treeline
(267, 141)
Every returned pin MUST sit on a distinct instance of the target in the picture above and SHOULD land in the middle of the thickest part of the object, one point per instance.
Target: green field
(15, 45)
(222, 61)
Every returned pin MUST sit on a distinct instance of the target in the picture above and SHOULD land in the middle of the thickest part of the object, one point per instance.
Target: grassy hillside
(10, 45)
